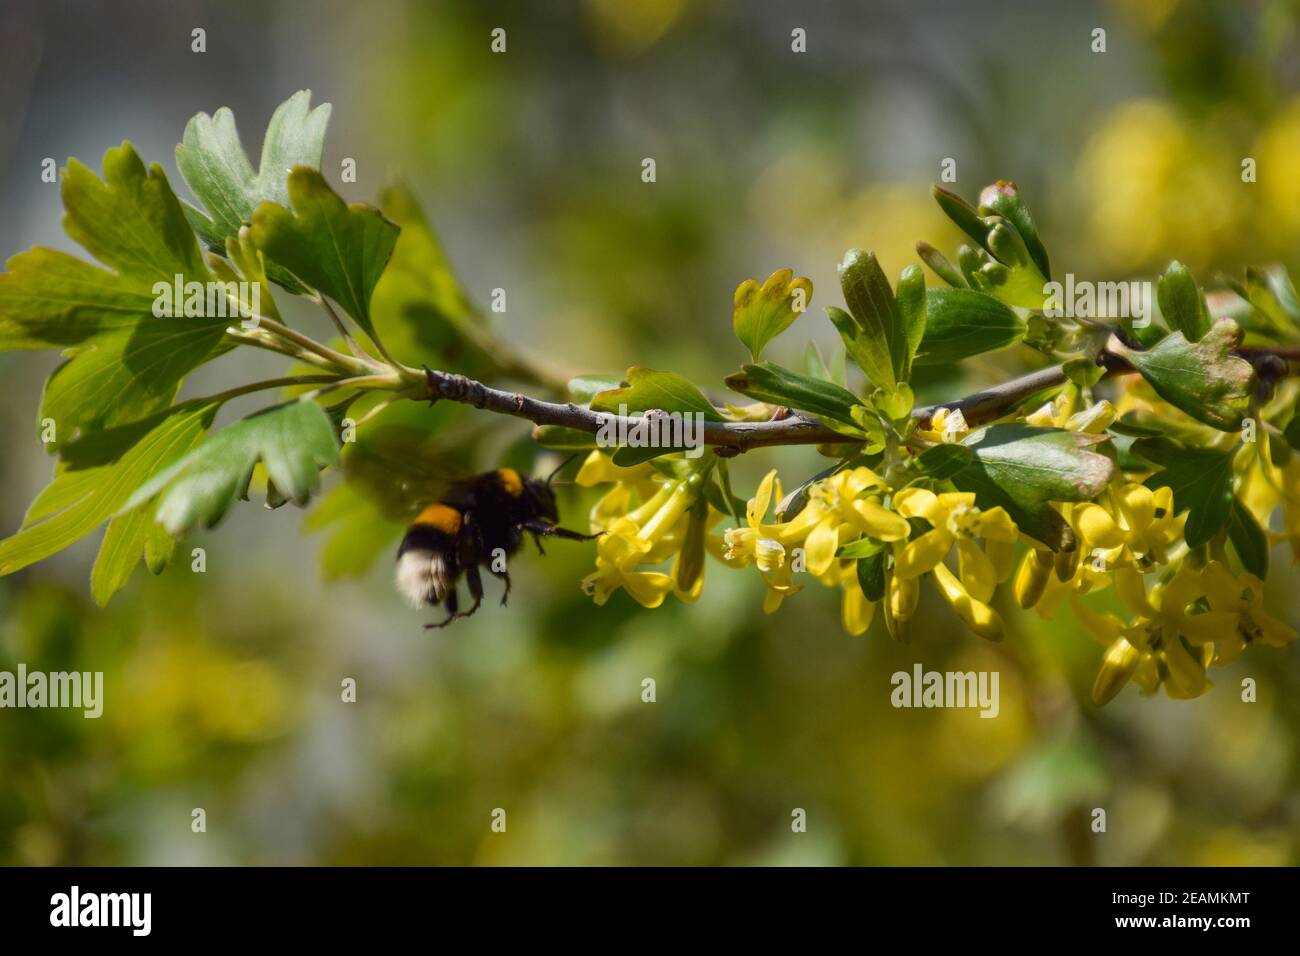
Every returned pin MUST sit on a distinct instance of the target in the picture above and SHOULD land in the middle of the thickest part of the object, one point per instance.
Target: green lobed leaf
(126, 362)
(360, 531)
(293, 442)
(649, 389)
(126, 375)
(212, 161)
(1203, 379)
(1201, 481)
(762, 312)
(51, 300)
(961, 323)
(1024, 468)
(340, 250)
(91, 484)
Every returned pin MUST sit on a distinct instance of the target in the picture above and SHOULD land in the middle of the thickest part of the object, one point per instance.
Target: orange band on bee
(511, 482)
(442, 517)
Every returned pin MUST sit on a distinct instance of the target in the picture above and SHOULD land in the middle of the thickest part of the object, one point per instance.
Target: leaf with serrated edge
(337, 249)
(95, 479)
(127, 363)
(293, 442)
(1203, 379)
(419, 307)
(211, 159)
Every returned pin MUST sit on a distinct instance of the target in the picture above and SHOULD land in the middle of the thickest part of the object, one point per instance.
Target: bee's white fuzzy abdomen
(422, 577)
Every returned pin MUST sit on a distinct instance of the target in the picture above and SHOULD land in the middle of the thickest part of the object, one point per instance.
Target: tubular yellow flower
(741, 543)
(598, 468)
(618, 552)
(1117, 667)
(1173, 645)
(1135, 518)
(955, 520)
(849, 505)
(647, 535)
(903, 595)
(1243, 597)
(975, 614)
(856, 612)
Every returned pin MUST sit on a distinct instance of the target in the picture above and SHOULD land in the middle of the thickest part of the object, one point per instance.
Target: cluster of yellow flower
(1195, 613)
(644, 517)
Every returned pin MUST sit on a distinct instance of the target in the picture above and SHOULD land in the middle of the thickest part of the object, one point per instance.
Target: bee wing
(403, 469)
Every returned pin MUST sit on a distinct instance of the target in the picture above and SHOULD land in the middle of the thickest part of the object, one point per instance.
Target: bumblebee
(480, 521)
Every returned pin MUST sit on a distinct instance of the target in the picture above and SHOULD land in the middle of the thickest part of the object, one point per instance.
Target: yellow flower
(955, 520)
(1139, 520)
(1164, 645)
(856, 612)
(840, 508)
(1243, 597)
(849, 503)
(975, 614)
(618, 552)
(598, 468)
(1060, 413)
(648, 535)
(945, 426)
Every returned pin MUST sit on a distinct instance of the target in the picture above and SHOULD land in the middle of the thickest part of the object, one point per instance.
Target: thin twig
(790, 428)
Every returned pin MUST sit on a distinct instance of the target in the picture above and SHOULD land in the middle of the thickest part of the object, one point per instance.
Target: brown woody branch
(788, 427)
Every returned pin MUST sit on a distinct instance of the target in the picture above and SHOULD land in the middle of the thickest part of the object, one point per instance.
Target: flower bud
(1031, 579)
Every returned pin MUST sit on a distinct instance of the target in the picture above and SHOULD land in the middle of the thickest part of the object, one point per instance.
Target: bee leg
(450, 604)
(503, 576)
(540, 528)
(475, 582)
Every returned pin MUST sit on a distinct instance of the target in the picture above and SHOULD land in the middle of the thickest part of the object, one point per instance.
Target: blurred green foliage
(223, 688)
